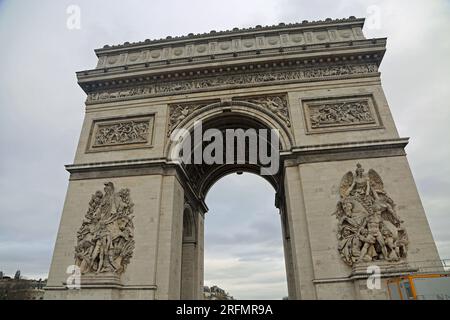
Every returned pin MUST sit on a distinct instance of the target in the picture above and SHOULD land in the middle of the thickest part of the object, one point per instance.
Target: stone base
(100, 280)
(107, 279)
(387, 269)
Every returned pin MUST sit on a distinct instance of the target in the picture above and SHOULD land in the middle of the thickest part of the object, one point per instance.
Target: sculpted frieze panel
(237, 80)
(337, 114)
(119, 132)
(340, 113)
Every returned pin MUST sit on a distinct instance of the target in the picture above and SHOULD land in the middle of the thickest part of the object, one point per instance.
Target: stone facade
(318, 84)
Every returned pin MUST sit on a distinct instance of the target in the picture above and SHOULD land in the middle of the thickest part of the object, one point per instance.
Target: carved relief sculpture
(171, 87)
(276, 104)
(105, 239)
(178, 113)
(341, 113)
(369, 228)
(122, 133)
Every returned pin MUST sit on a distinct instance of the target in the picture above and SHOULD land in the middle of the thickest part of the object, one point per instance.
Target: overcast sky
(41, 112)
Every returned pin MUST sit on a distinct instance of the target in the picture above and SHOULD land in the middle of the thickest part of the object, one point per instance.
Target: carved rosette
(369, 228)
(105, 241)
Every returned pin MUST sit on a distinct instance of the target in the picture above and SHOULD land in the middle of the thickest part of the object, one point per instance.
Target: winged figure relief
(369, 228)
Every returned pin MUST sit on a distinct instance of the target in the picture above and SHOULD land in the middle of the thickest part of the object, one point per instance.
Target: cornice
(115, 165)
(345, 151)
(281, 27)
(323, 56)
(306, 53)
(381, 144)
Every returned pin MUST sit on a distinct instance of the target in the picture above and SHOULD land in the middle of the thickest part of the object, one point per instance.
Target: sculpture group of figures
(341, 113)
(105, 239)
(369, 228)
(123, 132)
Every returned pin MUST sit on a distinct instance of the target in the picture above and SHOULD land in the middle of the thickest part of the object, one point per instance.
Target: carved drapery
(239, 80)
(369, 228)
(105, 239)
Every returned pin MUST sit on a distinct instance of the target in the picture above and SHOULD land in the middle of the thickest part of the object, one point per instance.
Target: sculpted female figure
(360, 185)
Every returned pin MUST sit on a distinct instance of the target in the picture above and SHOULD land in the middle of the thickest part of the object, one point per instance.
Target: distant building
(18, 288)
(216, 293)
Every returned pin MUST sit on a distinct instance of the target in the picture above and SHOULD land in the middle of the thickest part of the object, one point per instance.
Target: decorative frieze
(230, 81)
(119, 132)
(105, 240)
(325, 115)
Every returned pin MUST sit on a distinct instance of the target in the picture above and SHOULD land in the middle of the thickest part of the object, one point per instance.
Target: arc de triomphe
(133, 219)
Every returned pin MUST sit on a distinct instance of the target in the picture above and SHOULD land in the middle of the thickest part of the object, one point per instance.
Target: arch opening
(228, 142)
(244, 250)
(203, 178)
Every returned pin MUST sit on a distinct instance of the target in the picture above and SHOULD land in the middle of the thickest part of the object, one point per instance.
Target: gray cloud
(41, 110)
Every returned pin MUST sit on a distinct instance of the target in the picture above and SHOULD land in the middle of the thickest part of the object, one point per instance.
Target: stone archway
(343, 177)
(242, 116)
